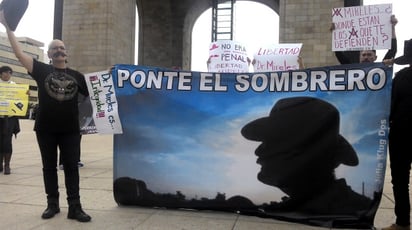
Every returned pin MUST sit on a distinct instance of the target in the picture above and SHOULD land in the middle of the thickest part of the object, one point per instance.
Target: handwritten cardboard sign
(227, 56)
(362, 27)
(278, 57)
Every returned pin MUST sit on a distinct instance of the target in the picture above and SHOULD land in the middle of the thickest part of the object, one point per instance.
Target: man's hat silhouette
(298, 123)
(407, 54)
(13, 11)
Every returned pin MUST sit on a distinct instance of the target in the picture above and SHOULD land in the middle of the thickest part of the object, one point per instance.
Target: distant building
(20, 75)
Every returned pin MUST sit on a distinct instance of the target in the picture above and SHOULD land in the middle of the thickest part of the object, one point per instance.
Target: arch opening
(261, 29)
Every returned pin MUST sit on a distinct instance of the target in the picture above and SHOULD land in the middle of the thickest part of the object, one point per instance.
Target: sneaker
(397, 227)
(80, 164)
(61, 167)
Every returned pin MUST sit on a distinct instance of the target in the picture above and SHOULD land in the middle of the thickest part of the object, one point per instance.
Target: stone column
(99, 33)
(308, 22)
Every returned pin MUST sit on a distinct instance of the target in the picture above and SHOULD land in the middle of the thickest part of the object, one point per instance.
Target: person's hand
(301, 64)
(332, 27)
(394, 20)
(208, 61)
(110, 69)
(389, 62)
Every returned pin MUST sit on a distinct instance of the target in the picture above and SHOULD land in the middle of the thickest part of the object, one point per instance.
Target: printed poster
(13, 99)
(86, 121)
(305, 146)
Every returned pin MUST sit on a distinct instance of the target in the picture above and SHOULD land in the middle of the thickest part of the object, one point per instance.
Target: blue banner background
(188, 142)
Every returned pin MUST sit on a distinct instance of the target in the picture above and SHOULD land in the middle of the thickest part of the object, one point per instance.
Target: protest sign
(13, 99)
(86, 121)
(104, 102)
(278, 57)
(227, 56)
(362, 27)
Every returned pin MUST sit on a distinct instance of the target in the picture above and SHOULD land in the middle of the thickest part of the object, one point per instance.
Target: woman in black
(9, 125)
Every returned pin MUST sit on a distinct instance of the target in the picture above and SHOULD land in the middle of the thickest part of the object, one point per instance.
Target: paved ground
(22, 198)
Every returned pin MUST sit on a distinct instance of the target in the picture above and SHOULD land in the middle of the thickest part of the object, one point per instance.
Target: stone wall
(308, 22)
(99, 33)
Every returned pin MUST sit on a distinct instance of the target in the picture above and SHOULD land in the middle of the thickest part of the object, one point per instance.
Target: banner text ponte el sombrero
(305, 146)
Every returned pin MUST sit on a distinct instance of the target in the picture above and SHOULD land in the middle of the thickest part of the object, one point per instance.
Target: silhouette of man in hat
(300, 150)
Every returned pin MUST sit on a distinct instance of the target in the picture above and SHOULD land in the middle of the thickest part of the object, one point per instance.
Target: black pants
(68, 144)
(6, 135)
(78, 154)
(400, 153)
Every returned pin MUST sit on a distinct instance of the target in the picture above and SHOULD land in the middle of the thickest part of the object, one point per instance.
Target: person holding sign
(400, 136)
(9, 125)
(57, 121)
(368, 56)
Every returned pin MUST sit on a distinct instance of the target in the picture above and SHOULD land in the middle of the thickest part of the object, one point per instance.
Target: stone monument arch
(100, 33)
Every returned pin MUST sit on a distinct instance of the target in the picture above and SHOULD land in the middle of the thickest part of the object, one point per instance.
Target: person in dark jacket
(400, 136)
(9, 125)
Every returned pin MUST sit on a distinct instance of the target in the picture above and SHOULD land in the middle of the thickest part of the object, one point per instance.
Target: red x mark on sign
(337, 12)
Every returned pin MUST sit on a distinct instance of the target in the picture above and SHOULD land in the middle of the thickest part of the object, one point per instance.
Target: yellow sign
(14, 99)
